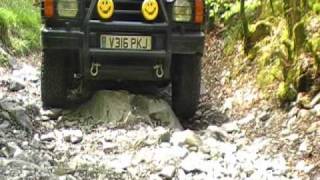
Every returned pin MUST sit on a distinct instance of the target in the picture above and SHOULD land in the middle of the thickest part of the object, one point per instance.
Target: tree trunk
(292, 10)
(245, 26)
(272, 7)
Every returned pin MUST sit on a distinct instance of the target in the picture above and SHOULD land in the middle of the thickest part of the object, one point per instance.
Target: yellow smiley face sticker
(105, 8)
(150, 9)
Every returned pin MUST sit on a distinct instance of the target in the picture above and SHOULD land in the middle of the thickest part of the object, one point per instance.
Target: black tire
(186, 80)
(53, 79)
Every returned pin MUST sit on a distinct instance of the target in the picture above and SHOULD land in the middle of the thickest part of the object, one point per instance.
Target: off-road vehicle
(139, 41)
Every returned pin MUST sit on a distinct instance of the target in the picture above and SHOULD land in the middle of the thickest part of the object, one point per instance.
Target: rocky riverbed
(138, 137)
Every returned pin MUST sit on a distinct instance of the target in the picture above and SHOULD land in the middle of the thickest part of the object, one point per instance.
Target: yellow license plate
(126, 42)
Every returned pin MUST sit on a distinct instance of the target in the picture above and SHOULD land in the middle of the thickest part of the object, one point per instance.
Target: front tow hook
(159, 70)
(94, 70)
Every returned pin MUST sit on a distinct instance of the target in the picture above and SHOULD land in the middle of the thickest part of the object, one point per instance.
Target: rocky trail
(119, 135)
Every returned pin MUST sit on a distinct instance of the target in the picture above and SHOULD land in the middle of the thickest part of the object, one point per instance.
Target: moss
(286, 92)
(299, 36)
(260, 30)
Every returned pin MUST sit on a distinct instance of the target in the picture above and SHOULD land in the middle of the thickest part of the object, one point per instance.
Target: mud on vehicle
(143, 41)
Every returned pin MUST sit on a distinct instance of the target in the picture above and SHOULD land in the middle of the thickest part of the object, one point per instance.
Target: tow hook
(94, 71)
(159, 70)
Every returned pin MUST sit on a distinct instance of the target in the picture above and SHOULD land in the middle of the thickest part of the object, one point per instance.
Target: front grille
(127, 10)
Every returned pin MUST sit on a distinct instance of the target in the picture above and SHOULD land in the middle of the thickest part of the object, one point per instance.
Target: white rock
(168, 171)
(192, 162)
(305, 147)
(73, 136)
(249, 118)
(316, 110)
(304, 167)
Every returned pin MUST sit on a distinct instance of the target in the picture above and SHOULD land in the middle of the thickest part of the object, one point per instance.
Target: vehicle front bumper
(165, 47)
(186, 43)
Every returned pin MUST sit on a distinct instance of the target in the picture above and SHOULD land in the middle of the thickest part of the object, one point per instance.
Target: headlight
(67, 8)
(182, 11)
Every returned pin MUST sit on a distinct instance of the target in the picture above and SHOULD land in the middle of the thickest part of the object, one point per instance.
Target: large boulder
(121, 107)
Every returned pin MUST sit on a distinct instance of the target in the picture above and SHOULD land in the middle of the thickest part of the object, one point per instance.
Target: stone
(17, 113)
(305, 147)
(73, 136)
(16, 84)
(192, 162)
(51, 113)
(293, 137)
(264, 116)
(108, 147)
(316, 110)
(305, 114)
(314, 127)
(249, 118)
(14, 150)
(218, 133)
(4, 125)
(315, 100)
(231, 127)
(21, 117)
(186, 137)
(304, 167)
(168, 171)
(48, 137)
(121, 107)
(293, 112)
(159, 135)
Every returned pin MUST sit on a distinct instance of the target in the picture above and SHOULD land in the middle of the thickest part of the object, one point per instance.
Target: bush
(19, 26)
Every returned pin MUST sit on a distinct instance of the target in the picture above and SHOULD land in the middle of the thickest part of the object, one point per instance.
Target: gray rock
(120, 107)
(16, 84)
(73, 136)
(168, 171)
(264, 116)
(14, 150)
(218, 133)
(4, 125)
(17, 114)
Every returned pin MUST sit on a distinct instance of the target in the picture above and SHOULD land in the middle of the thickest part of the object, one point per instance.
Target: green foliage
(284, 42)
(316, 8)
(223, 11)
(19, 26)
